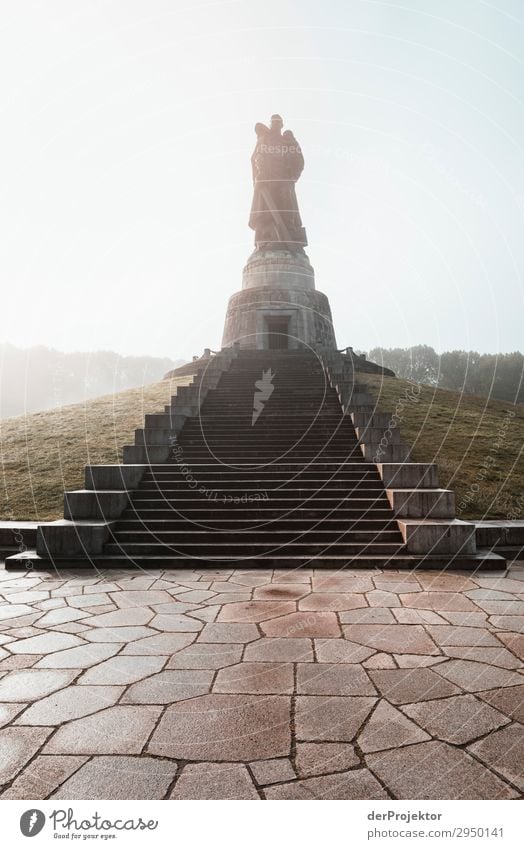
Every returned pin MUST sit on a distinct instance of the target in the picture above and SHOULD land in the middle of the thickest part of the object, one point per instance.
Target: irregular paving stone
(321, 758)
(174, 607)
(175, 622)
(73, 628)
(331, 601)
(336, 718)
(368, 616)
(19, 661)
(379, 661)
(382, 598)
(140, 598)
(436, 770)
(489, 595)
(515, 607)
(348, 679)
(121, 729)
(13, 611)
(225, 727)
(118, 635)
(8, 712)
(303, 624)
(206, 614)
(445, 582)
(50, 642)
(254, 611)
(255, 678)
(124, 777)
(341, 651)
(514, 642)
(505, 584)
(458, 719)
(494, 656)
(159, 644)
(17, 747)
(230, 598)
(169, 686)
(91, 600)
(228, 632)
(438, 601)
(280, 650)
(250, 580)
(402, 686)
(457, 617)
(82, 656)
(122, 618)
(473, 676)
(408, 616)
(30, 684)
(70, 703)
(508, 623)
(215, 781)
(43, 776)
(197, 596)
(411, 661)
(281, 592)
(273, 771)
(405, 639)
(61, 615)
(509, 700)
(122, 670)
(341, 584)
(388, 728)
(355, 784)
(202, 656)
(503, 751)
(397, 585)
(450, 635)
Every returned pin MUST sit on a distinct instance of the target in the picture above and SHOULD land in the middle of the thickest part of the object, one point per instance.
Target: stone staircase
(270, 458)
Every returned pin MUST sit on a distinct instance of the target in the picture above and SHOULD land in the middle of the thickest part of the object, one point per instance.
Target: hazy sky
(126, 135)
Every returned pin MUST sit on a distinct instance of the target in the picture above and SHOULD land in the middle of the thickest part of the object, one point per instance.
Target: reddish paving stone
(203, 656)
(341, 651)
(436, 770)
(494, 656)
(438, 601)
(471, 620)
(341, 584)
(458, 719)
(121, 730)
(225, 728)
(228, 632)
(382, 598)
(446, 582)
(44, 775)
(388, 728)
(355, 784)
(324, 758)
(119, 777)
(473, 676)
(69, 703)
(215, 781)
(122, 670)
(331, 601)
(503, 751)
(450, 635)
(255, 678)
(273, 771)
(27, 685)
(17, 747)
(368, 616)
(173, 685)
(330, 718)
(514, 642)
(412, 661)
(318, 679)
(509, 700)
(255, 611)
(281, 592)
(402, 686)
(379, 661)
(405, 639)
(303, 624)
(284, 650)
(408, 616)
(396, 584)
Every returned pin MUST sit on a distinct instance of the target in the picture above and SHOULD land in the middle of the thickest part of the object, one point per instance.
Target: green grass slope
(478, 444)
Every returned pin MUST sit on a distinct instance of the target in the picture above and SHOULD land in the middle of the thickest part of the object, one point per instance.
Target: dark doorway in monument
(277, 332)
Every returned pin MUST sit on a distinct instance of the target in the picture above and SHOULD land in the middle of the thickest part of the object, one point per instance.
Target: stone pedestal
(278, 306)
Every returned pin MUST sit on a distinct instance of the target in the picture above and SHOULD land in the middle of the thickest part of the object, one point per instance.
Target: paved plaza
(261, 684)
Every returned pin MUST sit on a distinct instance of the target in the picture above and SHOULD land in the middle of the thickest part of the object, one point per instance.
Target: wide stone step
(332, 525)
(232, 551)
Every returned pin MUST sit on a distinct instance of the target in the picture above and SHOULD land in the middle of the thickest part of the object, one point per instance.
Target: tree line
(492, 375)
(40, 378)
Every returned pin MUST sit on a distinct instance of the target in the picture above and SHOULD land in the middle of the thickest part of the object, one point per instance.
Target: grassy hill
(477, 444)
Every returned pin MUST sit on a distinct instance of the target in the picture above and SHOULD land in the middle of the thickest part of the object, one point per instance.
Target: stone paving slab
(261, 684)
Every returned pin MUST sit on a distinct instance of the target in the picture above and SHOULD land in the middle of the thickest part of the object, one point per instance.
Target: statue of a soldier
(277, 164)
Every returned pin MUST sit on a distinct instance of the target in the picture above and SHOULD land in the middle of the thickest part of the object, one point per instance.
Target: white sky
(126, 135)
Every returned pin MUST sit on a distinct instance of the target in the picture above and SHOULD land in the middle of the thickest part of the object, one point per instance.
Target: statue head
(276, 123)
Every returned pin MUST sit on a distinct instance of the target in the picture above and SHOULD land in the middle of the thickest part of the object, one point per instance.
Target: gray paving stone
(204, 656)
(324, 758)
(278, 649)
(44, 643)
(215, 781)
(123, 670)
(43, 775)
(122, 618)
(355, 784)
(123, 777)
(402, 686)
(503, 751)
(27, 685)
(347, 679)
(173, 685)
(69, 703)
(17, 747)
(473, 676)
(122, 729)
(262, 677)
(81, 657)
(160, 644)
(331, 718)
(458, 719)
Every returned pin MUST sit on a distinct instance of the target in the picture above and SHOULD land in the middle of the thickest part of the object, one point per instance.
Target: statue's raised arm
(277, 163)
